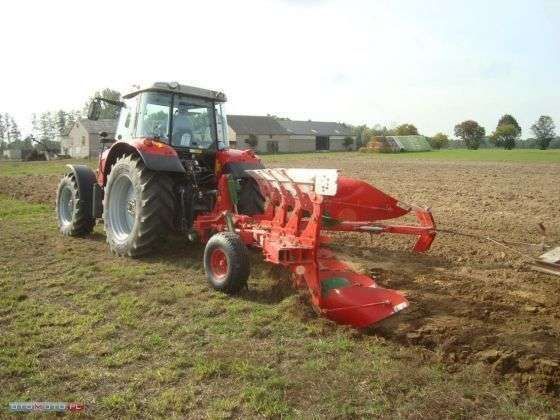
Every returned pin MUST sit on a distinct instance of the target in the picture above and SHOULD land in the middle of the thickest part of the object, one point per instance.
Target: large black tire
(73, 213)
(138, 207)
(226, 262)
(251, 201)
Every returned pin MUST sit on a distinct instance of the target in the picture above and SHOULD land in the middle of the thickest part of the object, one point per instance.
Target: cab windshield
(178, 120)
(193, 123)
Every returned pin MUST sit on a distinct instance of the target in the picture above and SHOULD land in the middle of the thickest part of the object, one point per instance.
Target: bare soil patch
(31, 188)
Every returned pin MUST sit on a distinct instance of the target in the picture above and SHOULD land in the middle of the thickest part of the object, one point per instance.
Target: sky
(429, 63)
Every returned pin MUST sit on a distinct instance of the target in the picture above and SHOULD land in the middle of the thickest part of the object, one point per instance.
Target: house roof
(253, 124)
(316, 128)
(94, 127)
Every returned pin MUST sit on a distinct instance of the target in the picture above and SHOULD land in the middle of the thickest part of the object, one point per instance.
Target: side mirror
(94, 110)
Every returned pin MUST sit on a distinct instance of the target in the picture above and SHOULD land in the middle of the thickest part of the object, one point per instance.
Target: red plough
(300, 205)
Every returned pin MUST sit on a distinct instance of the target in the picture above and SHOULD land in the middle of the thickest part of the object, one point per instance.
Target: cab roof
(174, 87)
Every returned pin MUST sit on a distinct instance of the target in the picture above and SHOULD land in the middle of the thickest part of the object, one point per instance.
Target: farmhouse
(306, 136)
(81, 140)
(278, 135)
(273, 135)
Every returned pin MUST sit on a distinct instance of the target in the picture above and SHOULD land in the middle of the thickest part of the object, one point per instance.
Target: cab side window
(153, 116)
(127, 120)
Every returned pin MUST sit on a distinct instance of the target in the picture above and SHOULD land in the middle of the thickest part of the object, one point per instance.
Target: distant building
(271, 136)
(13, 154)
(287, 136)
(82, 139)
(306, 136)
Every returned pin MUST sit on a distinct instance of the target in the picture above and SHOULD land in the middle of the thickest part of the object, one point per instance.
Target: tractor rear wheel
(138, 207)
(251, 201)
(226, 262)
(73, 214)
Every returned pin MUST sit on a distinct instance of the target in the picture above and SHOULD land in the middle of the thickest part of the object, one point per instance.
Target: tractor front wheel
(226, 262)
(73, 214)
(138, 207)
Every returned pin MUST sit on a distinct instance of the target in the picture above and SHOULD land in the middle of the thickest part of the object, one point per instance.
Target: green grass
(8, 168)
(148, 338)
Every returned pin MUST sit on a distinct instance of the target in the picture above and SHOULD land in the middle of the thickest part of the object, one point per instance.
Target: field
(149, 338)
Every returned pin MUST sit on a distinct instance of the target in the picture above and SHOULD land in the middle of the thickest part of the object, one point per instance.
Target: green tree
(2, 128)
(405, 130)
(252, 141)
(543, 130)
(14, 134)
(348, 142)
(35, 126)
(360, 132)
(7, 126)
(439, 141)
(44, 129)
(505, 136)
(379, 130)
(108, 111)
(72, 117)
(508, 119)
(60, 121)
(500, 139)
(471, 133)
(52, 125)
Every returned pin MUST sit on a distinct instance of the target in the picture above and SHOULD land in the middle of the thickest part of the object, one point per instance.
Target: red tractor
(170, 169)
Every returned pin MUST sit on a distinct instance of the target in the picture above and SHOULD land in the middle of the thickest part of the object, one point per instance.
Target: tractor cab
(183, 117)
(174, 128)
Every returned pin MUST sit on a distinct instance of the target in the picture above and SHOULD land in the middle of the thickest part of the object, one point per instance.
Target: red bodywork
(290, 233)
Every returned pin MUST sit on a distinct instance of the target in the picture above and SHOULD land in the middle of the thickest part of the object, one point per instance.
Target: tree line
(506, 134)
(47, 126)
(9, 130)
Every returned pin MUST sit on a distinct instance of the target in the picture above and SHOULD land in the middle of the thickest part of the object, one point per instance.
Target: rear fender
(236, 162)
(156, 156)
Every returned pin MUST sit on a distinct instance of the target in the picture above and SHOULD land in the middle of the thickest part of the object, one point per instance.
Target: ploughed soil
(472, 300)
(31, 188)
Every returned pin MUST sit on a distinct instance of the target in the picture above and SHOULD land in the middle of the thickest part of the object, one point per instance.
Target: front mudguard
(156, 156)
(86, 180)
